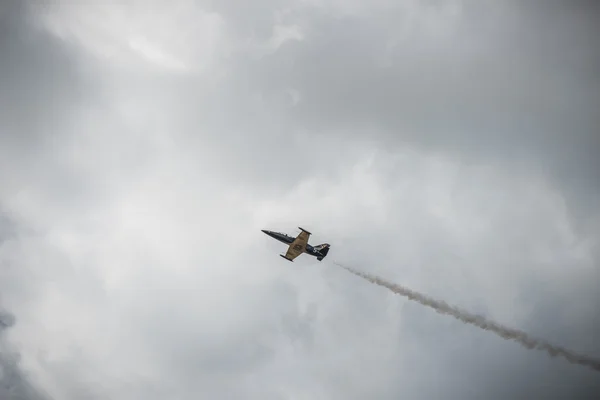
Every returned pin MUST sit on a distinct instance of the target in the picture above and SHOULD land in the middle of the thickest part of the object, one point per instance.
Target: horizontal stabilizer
(286, 258)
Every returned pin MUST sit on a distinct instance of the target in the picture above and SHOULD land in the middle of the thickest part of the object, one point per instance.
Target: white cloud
(177, 36)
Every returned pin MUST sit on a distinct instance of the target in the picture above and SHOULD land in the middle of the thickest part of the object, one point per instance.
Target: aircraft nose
(264, 231)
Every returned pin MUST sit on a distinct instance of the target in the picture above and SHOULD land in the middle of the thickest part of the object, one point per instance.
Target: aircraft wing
(298, 246)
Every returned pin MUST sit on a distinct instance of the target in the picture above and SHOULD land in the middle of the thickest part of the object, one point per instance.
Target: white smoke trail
(507, 333)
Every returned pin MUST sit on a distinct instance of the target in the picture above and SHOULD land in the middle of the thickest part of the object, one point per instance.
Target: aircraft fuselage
(310, 250)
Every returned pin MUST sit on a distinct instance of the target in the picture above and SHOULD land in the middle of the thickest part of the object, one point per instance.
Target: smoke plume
(507, 333)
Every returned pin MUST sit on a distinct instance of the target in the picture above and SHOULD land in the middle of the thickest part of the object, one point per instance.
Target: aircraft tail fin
(323, 249)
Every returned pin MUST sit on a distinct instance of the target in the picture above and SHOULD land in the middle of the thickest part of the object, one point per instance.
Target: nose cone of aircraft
(269, 233)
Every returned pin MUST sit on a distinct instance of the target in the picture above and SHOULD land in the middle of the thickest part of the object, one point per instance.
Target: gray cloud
(515, 83)
(429, 146)
(14, 383)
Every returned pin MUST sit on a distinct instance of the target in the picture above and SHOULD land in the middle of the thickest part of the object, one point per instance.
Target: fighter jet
(299, 245)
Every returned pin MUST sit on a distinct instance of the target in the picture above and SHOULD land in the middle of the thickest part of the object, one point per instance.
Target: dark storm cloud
(43, 87)
(511, 82)
(7, 228)
(40, 80)
(14, 383)
(34, 74)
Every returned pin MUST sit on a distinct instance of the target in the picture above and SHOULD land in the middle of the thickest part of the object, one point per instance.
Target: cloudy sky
(450, 146)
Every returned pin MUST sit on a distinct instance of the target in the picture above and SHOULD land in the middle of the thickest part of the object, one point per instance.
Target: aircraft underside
(299, 245)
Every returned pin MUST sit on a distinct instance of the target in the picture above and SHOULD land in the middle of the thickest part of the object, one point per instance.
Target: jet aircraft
(299, 245)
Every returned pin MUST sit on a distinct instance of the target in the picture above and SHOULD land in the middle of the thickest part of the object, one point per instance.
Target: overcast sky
(447, 146)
